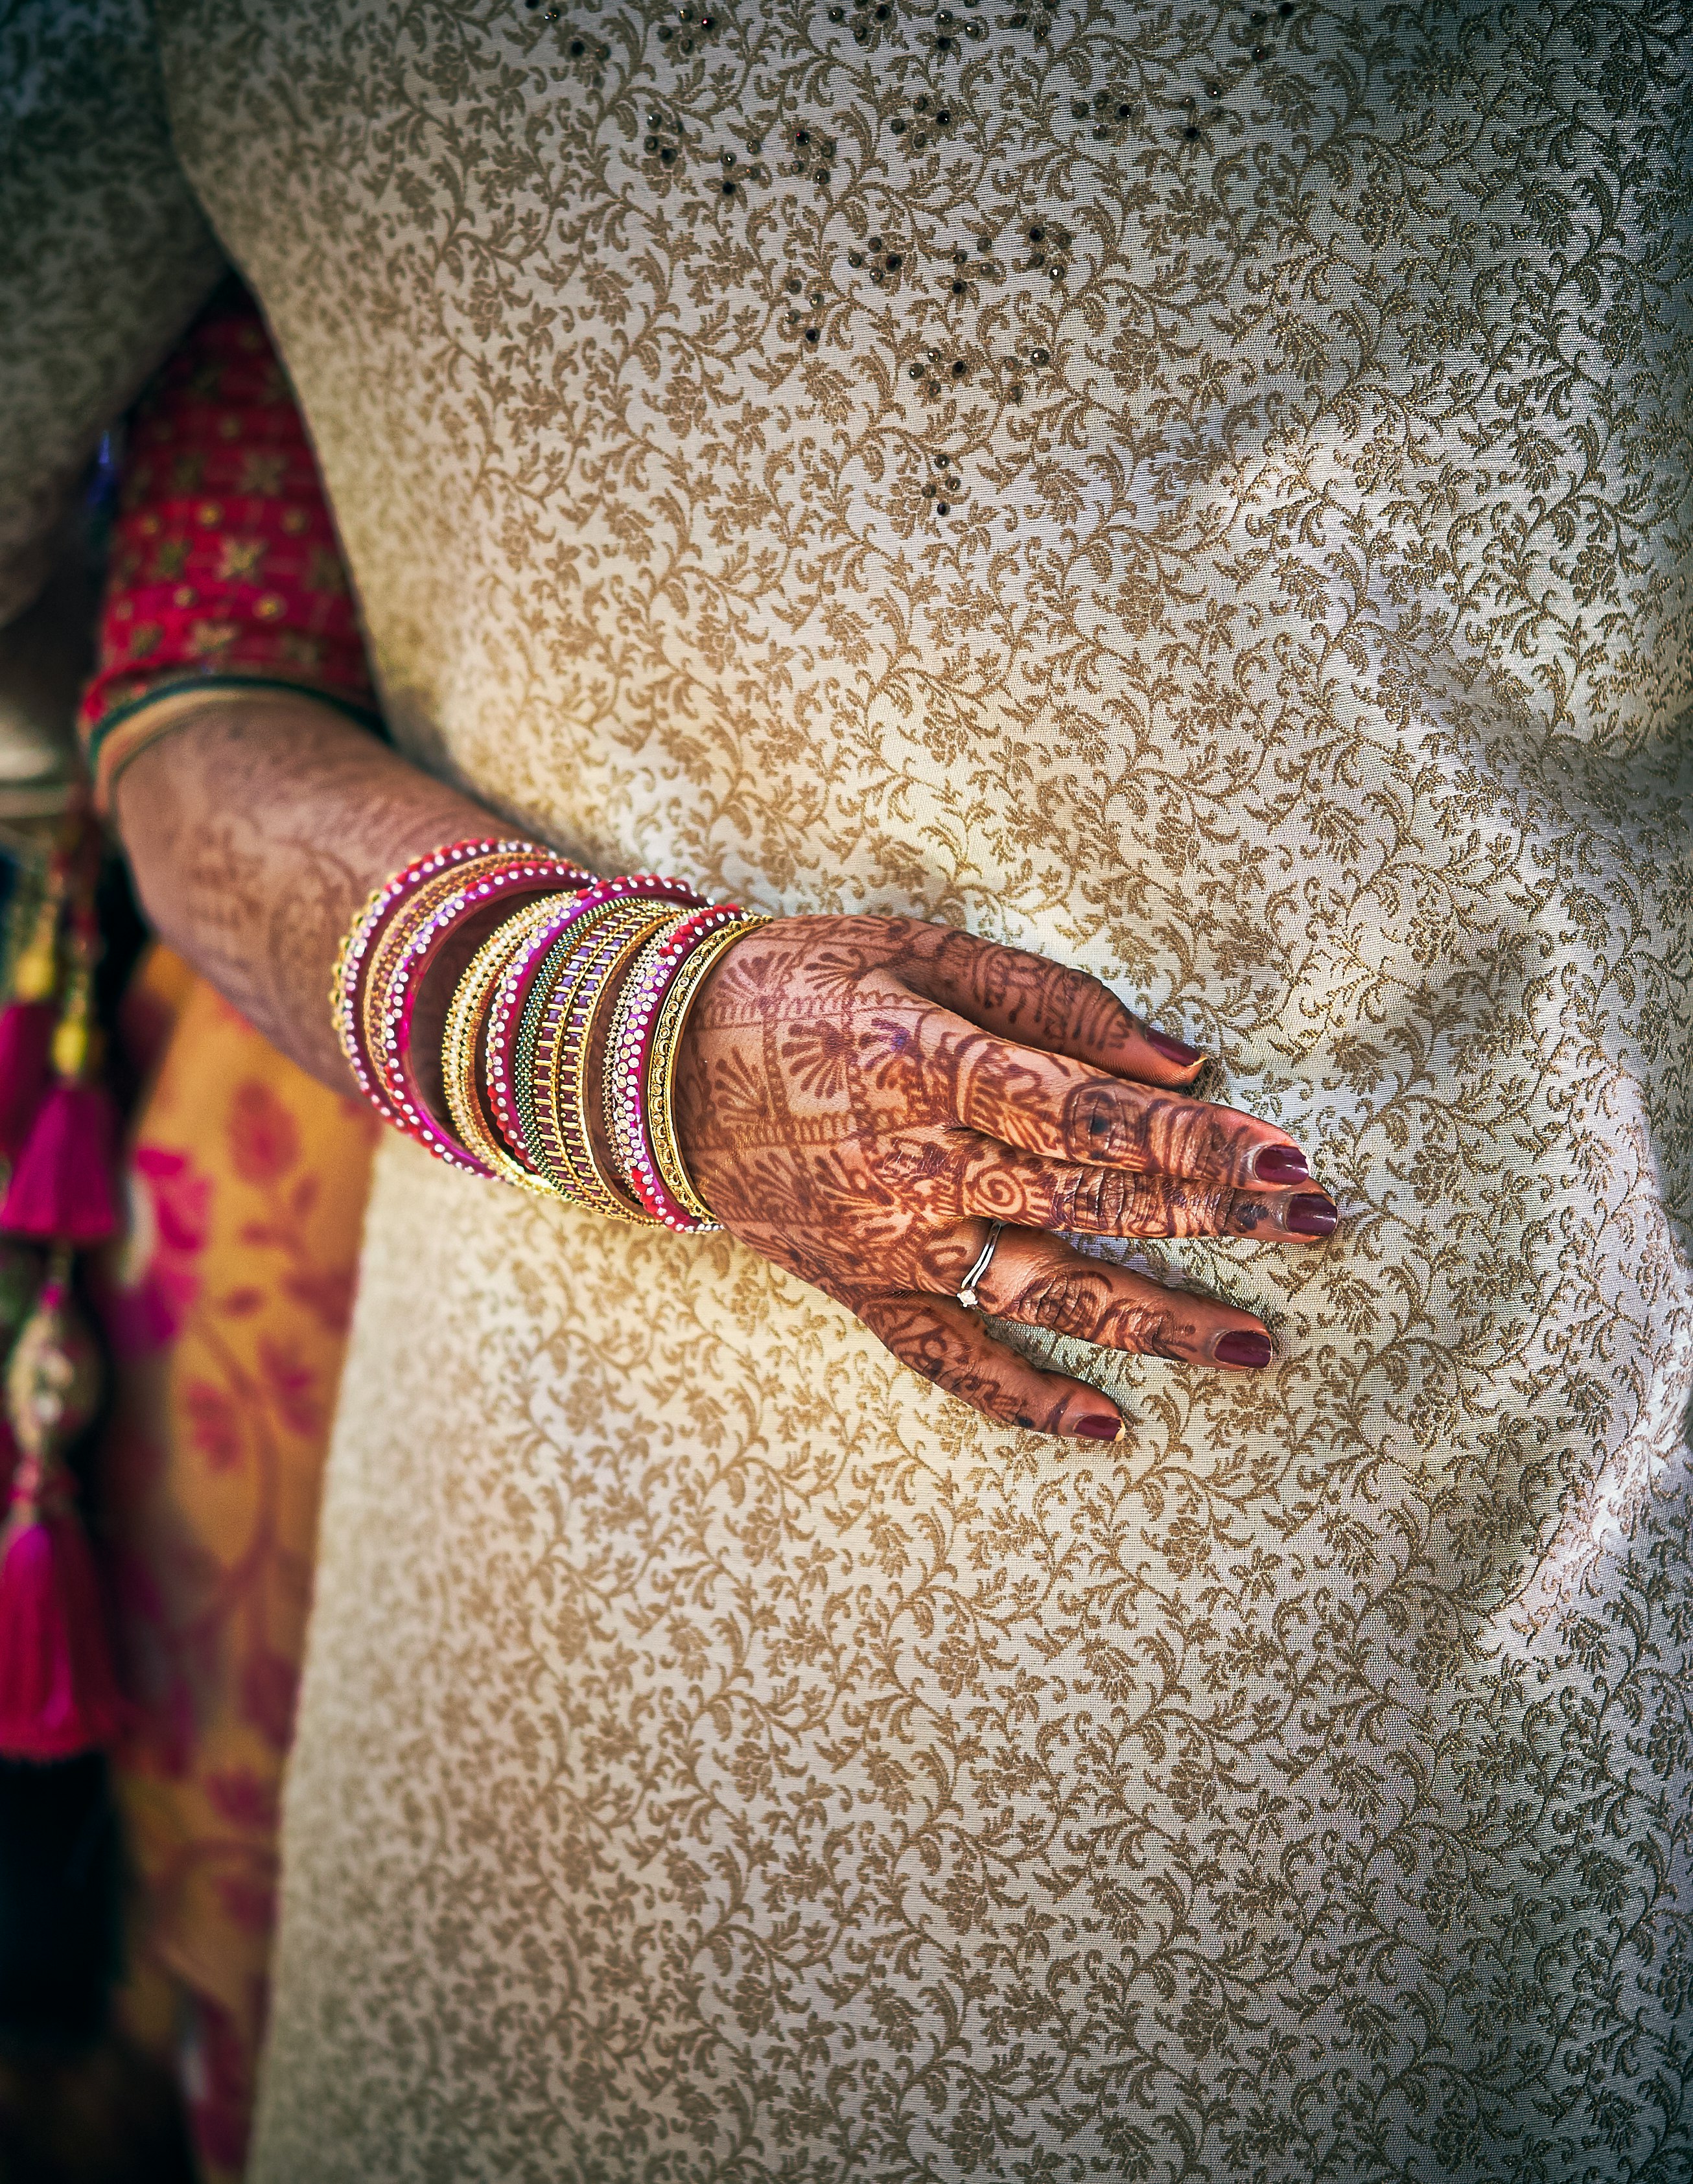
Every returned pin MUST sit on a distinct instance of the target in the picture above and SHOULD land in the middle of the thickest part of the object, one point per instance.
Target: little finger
(935, 1336)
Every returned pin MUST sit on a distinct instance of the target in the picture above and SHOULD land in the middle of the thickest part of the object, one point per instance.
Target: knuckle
(1195, 1209)
(1149, 1331)
(1066, 1300)
(1101, 1199)
(1093, 1122)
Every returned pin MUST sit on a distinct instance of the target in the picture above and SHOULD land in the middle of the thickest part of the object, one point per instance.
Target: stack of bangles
(557, 1062)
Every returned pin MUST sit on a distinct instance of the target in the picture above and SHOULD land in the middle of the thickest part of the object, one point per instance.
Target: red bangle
(366, 1020)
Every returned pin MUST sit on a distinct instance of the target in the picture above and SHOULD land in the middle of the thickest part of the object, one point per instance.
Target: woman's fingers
(1046, 1005)
(1041, 1282)
(947, 1345)
(1065, 1110)
(1007, 1184)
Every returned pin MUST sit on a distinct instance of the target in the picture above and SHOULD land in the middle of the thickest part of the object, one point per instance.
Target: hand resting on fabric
(858, 1098)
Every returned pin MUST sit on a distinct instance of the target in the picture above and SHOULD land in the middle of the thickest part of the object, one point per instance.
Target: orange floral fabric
(227, 1309)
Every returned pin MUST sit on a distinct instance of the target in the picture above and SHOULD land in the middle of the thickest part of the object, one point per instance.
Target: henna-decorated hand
(858, 1098)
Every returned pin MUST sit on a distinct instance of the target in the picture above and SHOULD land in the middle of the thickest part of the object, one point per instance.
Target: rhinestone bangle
(629, 1059)
(424, 930)
(365, 948)
(512, 1025)
(564, 1026)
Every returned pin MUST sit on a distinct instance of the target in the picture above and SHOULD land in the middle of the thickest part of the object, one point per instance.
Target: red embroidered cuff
(224, 564)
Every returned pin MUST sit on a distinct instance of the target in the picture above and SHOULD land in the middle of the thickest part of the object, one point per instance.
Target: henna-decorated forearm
(256, 832)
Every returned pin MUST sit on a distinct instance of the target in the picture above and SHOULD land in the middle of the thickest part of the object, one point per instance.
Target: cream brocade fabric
(722, 1757)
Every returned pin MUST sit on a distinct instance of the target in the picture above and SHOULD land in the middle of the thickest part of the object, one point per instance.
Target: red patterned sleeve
(224, 566)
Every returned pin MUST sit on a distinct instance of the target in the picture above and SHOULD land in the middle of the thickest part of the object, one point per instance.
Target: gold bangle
(672, 1022)
(570, 1093)
(461, 1047)
(561, 1143)
(524, 1027)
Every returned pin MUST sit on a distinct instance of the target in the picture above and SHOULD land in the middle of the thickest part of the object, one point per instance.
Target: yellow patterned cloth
(720, 1756)
(227, 1305)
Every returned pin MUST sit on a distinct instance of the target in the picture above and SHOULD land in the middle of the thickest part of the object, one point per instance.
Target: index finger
(1064, 1110)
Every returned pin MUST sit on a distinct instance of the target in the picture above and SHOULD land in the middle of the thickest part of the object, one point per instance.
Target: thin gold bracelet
(625, 1151)
(672, 1022)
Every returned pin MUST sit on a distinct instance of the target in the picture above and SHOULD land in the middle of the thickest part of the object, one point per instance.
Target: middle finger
(1066, 1111)
(1021, 1189)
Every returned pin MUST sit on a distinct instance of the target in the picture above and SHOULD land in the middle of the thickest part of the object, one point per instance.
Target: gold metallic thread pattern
(720, 1757)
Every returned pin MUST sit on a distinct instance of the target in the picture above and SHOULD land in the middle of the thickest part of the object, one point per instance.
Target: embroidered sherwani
(1207, 497)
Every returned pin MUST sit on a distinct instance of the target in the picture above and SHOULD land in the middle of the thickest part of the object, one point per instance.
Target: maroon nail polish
(1312, 1214)
(1279, 1164)
(1173, 1049)
(1242, 1348)
(1104, 1426)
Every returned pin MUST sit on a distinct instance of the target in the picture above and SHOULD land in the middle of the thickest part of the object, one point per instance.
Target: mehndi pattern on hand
(861, 1096)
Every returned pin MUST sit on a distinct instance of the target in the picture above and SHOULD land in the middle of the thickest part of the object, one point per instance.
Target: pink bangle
(513, 884)
(393, 1096)
(627, 1068)
(353, 957)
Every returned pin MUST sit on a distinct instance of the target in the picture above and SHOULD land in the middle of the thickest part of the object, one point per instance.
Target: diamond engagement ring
(966, 1294)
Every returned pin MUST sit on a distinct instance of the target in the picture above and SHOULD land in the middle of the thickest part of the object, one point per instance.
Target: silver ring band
(966, 1291)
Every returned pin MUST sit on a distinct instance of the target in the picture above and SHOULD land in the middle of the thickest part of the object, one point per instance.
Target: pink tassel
(61, 1188)
(26, 1035)
(58, 1693)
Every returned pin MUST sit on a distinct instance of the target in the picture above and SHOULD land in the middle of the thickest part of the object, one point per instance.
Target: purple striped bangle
(563, 1037)
(632, 1131)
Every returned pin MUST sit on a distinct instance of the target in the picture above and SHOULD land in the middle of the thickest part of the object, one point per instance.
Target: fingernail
(1312, 1214)
(1173, 1049)
(1279, 1164)
(1106, 1425)
(1242, 1348)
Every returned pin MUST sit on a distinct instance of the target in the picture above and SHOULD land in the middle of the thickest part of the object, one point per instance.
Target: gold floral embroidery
(718, 1758)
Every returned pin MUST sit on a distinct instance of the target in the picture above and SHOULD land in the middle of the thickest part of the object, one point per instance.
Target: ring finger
(1037, 1281)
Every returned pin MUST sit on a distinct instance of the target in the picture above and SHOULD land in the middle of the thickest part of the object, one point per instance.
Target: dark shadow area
(78, 2104)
